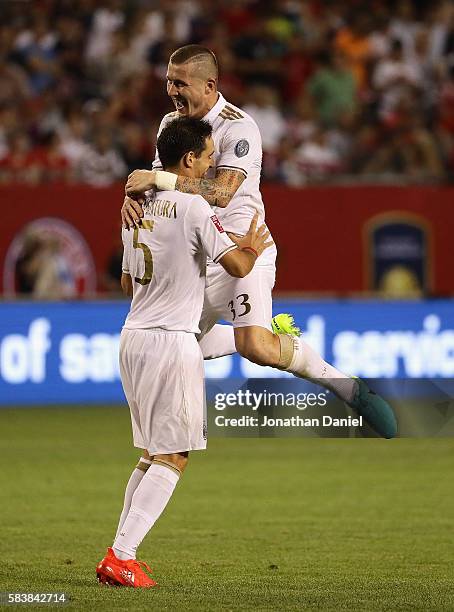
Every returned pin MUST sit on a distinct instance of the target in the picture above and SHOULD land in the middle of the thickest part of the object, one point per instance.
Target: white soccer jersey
(238, 146)
(166, 259)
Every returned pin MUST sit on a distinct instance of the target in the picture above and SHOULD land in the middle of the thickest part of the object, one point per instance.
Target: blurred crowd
(357, 90)
(42, 271)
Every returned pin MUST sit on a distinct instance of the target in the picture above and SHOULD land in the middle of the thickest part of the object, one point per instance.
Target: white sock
(218, 342)
(132, 485)
(148, 502)
(306, 363)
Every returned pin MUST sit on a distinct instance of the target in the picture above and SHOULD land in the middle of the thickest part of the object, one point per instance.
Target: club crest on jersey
(241, 148)
(217, 224)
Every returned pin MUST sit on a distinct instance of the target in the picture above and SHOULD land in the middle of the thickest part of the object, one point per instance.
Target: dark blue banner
(68, 353)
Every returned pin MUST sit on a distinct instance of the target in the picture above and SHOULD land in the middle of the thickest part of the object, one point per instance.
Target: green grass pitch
(265, 524)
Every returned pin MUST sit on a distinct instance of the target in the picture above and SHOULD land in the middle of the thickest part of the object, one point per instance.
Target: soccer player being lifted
(161, 364)
(232, 189)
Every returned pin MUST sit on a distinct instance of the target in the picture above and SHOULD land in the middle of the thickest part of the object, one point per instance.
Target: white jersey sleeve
(127, 249)
(240, 148)
(208, 229)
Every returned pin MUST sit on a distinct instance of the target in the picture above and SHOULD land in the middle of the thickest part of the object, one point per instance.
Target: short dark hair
(196, 53)
(181, 136)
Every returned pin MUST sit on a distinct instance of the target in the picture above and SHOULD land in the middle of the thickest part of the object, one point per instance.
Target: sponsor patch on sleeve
(217, 224)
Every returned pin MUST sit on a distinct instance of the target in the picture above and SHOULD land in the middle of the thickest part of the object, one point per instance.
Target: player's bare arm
(218, 191)
(126, 284)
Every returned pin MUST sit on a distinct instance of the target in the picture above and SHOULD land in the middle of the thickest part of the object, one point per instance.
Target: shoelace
(142, 565)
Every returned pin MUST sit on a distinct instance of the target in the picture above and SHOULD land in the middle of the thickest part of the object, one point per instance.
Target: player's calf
(147, 504)
(149, 501)
(297, 357)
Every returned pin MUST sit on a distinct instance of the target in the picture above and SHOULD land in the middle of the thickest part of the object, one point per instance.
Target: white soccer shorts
(241, 301)
(163, 380)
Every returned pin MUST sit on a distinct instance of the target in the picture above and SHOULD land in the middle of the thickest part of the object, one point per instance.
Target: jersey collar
(217, 108)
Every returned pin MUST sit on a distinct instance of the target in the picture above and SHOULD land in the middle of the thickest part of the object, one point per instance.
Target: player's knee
(144, 461)
(181, 461)
(175, 461)
(254, 348)
(252, 351)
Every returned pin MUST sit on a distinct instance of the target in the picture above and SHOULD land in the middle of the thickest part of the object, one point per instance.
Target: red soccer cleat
(115, 572)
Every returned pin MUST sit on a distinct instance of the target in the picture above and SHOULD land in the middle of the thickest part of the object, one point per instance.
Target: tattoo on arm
(218, 191)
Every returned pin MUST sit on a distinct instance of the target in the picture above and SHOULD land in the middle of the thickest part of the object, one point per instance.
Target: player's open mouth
(180, 104)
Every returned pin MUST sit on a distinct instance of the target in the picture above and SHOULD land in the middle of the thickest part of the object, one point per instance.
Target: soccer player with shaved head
(232, 188)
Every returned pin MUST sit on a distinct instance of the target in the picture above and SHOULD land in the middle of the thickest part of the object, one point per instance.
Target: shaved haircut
(205, 60)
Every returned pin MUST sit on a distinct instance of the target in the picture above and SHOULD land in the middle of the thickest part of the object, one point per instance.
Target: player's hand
(256, 238)
(131, 212)
(139, 182)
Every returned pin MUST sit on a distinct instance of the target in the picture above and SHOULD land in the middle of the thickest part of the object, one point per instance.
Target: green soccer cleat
(284, 324)
(375, 410)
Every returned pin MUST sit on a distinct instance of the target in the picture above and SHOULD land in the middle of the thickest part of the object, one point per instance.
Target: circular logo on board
(241, 148)
(49, 259)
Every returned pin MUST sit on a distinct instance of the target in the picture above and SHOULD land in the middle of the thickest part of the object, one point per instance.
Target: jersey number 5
(147, 256)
